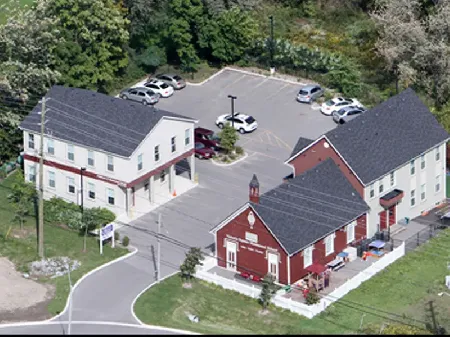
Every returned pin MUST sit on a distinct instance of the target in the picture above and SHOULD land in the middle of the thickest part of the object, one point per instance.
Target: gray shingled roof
(310, 206)
(301, 144)
(96, 120)
(387, 136)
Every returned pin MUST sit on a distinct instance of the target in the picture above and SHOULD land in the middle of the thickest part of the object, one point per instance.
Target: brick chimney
(254, 190)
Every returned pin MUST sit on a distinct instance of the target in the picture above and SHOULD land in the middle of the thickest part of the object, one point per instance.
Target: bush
(97, 217)
(232, 156)
(239, 150)
(312, 298)
(125, 241)
(58, 211)
(116, 236)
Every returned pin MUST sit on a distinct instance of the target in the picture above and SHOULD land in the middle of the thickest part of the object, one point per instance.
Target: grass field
(404, 288)
(8, 7)
(448, 186)
(58, 242)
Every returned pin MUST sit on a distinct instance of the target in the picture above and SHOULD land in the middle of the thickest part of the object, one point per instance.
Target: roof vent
(326, 145)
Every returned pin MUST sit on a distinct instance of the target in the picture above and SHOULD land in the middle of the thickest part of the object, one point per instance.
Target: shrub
(57, 211)
(239, 150)
(328, 95)
(125, 241)
(312, 298)
(97, 217)
(232, 156)
(116, 236)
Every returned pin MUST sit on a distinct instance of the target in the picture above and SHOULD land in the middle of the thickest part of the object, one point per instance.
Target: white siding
(407, 182)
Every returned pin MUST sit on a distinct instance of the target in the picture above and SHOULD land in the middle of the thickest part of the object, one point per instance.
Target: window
(91, 191)
(51, 179)
(110, 193)
(157, 153)
(91, 160)
(351, 232)
(70, 154)
(50, 146)
(438, 183)
(380, 186)
(146, 186)
(372, 190)
(392, 178)
(32, 173)
(31, 141)
(187, 137)
(422, 161)
(422, 192)
(71, 185)
(412, 166)
(251, 237)
(174, 144)
(329, 244)
(307, 256)
(413, 198)
(110, 163)
(438, 154)
(140, 162)
(162, 176)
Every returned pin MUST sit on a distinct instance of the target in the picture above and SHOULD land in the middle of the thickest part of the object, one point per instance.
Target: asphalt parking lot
(221, 190)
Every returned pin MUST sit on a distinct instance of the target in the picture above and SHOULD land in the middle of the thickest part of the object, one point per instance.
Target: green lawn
(448, 186)
(404, 288)
(8, 7)
(58, 242)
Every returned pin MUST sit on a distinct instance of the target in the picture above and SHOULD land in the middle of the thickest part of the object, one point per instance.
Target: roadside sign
(106, 233)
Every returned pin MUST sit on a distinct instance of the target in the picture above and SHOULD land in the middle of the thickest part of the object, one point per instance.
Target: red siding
(317, 153)
(340, 243)
(392, 211)
(253, 261)
(383, 220)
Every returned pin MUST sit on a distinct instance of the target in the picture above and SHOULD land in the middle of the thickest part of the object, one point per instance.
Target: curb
(157, 327)
(229, 164)
(208, 79)
(85, 276)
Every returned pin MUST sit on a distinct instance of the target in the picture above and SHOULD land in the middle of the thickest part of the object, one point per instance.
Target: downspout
(289, 269)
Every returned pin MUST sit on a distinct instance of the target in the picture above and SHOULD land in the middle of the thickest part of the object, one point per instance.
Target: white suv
(242, 123)
(160, 87)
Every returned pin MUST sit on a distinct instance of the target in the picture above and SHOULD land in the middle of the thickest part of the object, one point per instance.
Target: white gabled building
(134, 157)
(393, 155)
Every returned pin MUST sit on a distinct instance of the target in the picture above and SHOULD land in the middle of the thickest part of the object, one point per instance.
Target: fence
(308, 311)
(422, 236)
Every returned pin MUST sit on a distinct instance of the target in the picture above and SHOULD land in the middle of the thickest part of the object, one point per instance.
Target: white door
(231, 255)
(273, 265)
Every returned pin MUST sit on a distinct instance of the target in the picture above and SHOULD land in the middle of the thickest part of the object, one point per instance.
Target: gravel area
(21, 299)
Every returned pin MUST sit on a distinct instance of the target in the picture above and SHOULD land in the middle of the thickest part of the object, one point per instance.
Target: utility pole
(82, 209)
(232, 109)
(70, 300)
(271, 43)
(158, 259)
(41, 183)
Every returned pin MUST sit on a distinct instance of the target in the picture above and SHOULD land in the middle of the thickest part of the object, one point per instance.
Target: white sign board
(106, 233)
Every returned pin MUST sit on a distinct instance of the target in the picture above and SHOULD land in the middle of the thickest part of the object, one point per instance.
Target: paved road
(83, 328)
(108, 294)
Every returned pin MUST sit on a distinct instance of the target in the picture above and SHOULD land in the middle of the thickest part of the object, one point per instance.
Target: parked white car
(242, 123)
(160, 87)
(337, 103)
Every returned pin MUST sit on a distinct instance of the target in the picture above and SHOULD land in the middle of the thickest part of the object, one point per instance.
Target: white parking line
(277, 92)
(229, 85)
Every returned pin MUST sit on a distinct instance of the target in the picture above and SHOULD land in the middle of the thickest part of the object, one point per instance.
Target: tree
(94, 218)
(184, 16)
(228, 35)
(228, 137)
(95, 39)
(151, 58)
(22, 195)
(268, 290)
(194, 258)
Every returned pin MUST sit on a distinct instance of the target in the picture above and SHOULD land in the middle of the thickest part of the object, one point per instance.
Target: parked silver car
(309, 93)
(347, 114)
(175, 81)
(143, 95)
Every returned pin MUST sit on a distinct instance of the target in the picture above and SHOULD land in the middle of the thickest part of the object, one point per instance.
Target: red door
(383, 220)
(392, 215)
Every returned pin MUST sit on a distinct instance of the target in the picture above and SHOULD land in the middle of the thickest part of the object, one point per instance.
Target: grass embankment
(20, 247)
(404, 288)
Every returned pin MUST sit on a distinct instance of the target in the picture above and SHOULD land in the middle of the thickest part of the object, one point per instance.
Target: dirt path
(21, 299)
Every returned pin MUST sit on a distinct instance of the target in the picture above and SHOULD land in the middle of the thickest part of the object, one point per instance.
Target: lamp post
(82, 208)
(272, 67)
(232, 109)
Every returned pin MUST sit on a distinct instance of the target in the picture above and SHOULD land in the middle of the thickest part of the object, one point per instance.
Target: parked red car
(203, 152)
(207, 138)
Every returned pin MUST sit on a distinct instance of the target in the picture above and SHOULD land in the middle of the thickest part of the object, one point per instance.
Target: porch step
(397, 228)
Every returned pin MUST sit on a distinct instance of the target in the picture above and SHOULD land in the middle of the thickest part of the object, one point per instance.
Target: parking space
(221, 190)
